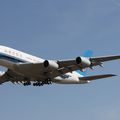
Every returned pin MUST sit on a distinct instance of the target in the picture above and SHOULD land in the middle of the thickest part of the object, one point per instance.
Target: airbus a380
(27, 69)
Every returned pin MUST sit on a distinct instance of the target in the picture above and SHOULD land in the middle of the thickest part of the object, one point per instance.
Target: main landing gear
(41, 83)
(27, 83)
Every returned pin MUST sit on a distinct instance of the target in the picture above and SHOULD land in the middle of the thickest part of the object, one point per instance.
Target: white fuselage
(11, 59)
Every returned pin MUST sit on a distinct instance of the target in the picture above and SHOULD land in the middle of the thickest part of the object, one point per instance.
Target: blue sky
(62, 29)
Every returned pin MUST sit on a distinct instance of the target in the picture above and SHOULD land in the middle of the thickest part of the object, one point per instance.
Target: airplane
(27, 70)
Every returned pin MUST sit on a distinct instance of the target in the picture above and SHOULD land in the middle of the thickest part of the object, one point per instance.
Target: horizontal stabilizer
(96, 77)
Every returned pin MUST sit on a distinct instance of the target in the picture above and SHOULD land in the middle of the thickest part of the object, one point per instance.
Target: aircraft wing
(105, 58)
(70, 65)
(98, 60)
(66, 66)
(95, 77)
(94, 60)
(12, 77)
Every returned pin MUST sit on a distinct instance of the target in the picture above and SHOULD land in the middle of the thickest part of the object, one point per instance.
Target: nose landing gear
(38, 84)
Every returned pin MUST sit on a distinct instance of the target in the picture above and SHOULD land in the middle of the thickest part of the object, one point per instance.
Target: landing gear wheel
(41, 83)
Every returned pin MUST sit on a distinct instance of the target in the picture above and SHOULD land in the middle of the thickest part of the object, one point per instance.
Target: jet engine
(83, 61)
(50, 65)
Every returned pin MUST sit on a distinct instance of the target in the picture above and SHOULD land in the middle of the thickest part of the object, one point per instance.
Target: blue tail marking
(88, 53)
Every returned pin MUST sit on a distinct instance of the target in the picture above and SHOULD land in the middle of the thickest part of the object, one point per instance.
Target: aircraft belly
(60, 80)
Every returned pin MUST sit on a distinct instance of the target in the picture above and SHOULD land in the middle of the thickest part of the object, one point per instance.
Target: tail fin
(88, 53)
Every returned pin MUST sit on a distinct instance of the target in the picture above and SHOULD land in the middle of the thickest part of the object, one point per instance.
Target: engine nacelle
(2, 73)
(50, 65)
(85, 62)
